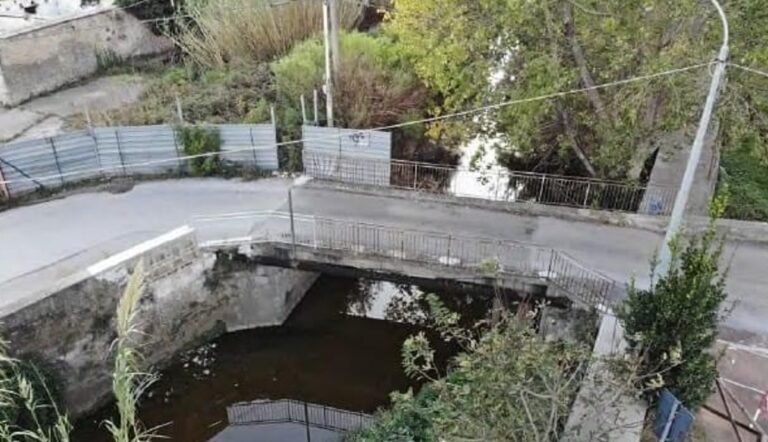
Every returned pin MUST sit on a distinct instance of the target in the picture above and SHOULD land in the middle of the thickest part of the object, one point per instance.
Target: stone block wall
(189, 294)
(42, 58)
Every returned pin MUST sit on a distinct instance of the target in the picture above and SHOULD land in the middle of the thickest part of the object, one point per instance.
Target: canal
(340, 348)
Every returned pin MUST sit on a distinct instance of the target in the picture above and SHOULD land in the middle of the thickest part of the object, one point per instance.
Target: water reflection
(340, 348)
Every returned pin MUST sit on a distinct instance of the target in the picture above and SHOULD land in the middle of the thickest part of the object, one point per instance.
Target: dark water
(340, 347)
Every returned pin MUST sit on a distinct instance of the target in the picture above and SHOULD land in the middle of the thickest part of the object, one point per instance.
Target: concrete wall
(189, 295)
(42, 58)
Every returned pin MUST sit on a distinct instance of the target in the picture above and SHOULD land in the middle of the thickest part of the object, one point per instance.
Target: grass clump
(224, 31)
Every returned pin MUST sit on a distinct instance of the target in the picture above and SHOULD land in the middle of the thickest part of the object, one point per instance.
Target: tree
(673, 324)
(490, 51)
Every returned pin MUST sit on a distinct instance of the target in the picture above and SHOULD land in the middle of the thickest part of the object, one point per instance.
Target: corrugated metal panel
(149, 149)
(76, 155)
(111, 151)
(250, 144)
(348, 142)
(324, 146)
(28, 164)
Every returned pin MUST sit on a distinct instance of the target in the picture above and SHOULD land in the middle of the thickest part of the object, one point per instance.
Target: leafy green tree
(471, 53)
(673, 325)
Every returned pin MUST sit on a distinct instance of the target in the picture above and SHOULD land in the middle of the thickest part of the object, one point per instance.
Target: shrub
(375, 86)
(237, 93)
(223, 31)
(198, 140)
(509, 384)
(673, 325)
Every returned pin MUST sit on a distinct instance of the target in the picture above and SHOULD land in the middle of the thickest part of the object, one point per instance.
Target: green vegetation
(470, 53)
(238, 93)
(29, 408)
(375, 85)
(674, 324)
(221, 32)
(203, 141)
(507, 385)
(747, 182)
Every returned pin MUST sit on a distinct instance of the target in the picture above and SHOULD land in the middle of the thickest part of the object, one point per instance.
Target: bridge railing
(287, 410)
(493, 185)
(484, 256)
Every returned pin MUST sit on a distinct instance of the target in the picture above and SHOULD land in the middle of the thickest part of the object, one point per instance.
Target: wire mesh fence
(29, 165)
(494, 185)
(287, 410)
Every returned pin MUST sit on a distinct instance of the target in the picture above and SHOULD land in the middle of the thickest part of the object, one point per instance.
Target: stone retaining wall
(42, 58)
(189, 295)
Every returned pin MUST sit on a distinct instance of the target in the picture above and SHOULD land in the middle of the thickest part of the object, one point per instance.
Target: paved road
(82, 228)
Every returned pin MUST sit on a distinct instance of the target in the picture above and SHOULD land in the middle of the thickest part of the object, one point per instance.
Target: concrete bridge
(50, 240)
(585, 255)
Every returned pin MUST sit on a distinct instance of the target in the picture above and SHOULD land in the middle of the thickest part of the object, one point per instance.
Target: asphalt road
(65, 235)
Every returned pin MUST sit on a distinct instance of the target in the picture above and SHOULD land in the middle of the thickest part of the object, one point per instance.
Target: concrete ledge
(735, 230)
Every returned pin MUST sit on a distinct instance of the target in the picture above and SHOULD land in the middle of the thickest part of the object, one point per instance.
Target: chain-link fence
(53, 162)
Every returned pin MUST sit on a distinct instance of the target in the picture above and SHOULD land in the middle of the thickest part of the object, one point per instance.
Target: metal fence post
(120, 151)
(56, 159)
(293, 227)
(415, 176)
(253, 148)
(448, 262)
(586, 197)
(4, 191)
(541, 190)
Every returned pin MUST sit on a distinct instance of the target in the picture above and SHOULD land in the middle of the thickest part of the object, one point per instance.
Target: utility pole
(335, 26)
(328, 51)
(681, 201)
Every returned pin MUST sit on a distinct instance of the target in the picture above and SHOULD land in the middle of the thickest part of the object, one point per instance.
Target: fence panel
(149, 149)
(349, 155)
(252, 145)
(29, 165)
(76, 156)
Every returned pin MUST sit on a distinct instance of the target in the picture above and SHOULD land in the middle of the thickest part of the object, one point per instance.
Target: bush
(673, 325)
(509, 384)
(199, 140)
(224, 31)
(375, 86)
(237, 93)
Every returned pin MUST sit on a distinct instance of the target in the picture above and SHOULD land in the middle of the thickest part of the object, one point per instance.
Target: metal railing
(484, 256)
(287, 410)
(494, 185)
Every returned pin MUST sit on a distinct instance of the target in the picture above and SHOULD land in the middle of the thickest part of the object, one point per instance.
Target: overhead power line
(464, 113)
(749, 69)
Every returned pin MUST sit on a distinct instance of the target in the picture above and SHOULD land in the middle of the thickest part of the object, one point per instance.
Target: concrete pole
(335, 26)
(328, 73)
(681, 201)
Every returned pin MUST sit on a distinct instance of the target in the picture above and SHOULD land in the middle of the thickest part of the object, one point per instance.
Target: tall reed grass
(28, 411)
(223, 31)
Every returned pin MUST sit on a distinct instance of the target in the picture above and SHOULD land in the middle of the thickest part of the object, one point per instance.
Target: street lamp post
(681, 201)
